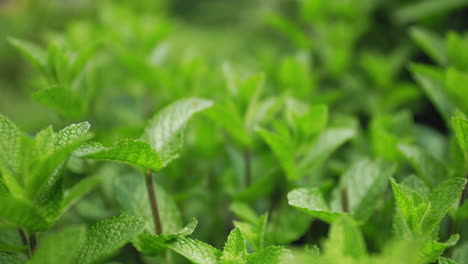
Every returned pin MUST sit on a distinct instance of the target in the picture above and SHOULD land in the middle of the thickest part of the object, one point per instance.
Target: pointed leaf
(270, 255)
(164, 130)
(310, 200)
(195, 251)
(107, 236)
(234, 250)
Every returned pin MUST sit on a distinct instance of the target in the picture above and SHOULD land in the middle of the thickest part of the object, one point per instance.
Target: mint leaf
(195, 251)
(427, 167)
(107, 236)
(60, 247)
(460, 127)
(310, 200)
(131, 151)
(431, 43)
(35, 55)
(23, 213)
(234, 251)
(10, 137)
(364, 183)
(252, 226)
(345, 239)
(164, 130)
(433, 249)
(270, 255)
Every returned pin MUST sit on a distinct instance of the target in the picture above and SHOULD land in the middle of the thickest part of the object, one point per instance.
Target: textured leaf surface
(9, 145)
(131, 151)
(364, 184)
(60, 248)
(433, 249)
(195, 251)
(442, 198)
(107, 236)
(164, 131)
(270, 255)
(234, 250)
(311, 201)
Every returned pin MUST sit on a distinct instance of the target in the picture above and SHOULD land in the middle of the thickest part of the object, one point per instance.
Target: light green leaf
(421, 9)
(234, 251)
(270, 255)
(431, 43)
(107, 236)
(252, 226)
(432, 81)
(150, 244)
(10, 137)
(283, 148)
(460, 126)
(433, 249)
(441, 199)
(195, 251)
(310, 200)
(70, 134)
(164, 130)
(60, 247)
(454, 85)
(131, 151)
(426, 166)
(326, 143)
(35, 55)
(345, 239)
(288, 224)
(79, 190)
(63, 100)
(23, 213)
(364, 184)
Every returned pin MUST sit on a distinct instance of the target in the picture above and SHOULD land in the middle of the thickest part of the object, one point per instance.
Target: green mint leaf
(70, 133)
(345, 239)
(253, 227)
(78, 190)
(63, 100)
(60, 247)
(23, 213)
(431, 43)
(441, 199)
(432, 81)
(364, 183)
(460, 126)
(310, 200)
(107, 236)
(35, 55)
(196, 251)
(10, 139)
(288, 224)
(327, 143)
(433, 249)
(150, 244)
(426, 166)
(283, 148)
(164, 130)
(131, 151)
(270, 255)
(234, 251)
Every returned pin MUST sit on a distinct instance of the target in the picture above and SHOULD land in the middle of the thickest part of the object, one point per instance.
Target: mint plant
(321, 131)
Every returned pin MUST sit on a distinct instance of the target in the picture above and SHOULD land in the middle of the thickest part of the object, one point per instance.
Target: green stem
(153, 202)
(24, 239)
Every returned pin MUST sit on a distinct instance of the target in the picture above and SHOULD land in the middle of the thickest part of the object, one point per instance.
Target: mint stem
(247, 167)
(153, 202)
(24, 239)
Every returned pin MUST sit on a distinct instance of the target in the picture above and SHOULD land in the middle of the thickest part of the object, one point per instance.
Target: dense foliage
(243, 132)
